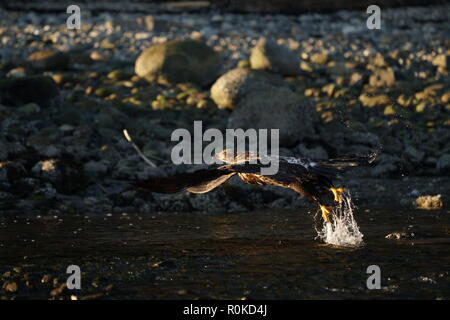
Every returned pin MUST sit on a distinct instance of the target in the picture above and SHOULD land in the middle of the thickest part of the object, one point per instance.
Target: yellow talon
(337, 194)
(325, 213)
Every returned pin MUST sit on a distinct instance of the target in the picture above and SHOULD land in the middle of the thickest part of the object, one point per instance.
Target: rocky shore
(332, 86)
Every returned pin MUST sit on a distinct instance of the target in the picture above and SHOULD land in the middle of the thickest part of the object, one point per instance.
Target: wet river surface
(253, 255)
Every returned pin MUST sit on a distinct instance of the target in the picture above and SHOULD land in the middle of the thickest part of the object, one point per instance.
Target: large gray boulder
(268, 55)
(234, 85)
(275, 108)
(179, 61)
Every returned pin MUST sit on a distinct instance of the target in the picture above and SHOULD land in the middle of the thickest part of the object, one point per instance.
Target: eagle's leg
(325, 212)
(337, 193)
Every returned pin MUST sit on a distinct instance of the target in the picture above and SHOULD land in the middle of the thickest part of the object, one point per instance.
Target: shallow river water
(253, 255)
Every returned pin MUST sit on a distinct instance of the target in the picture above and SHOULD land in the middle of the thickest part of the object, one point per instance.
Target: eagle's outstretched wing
(199, 181)
(298, 172)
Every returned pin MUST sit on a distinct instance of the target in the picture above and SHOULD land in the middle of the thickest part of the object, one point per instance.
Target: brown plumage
(310, 178)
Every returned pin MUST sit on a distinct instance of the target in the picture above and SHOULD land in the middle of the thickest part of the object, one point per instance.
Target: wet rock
(415, 155)
(43, 145)
(80, 57)
(119, 74)
(38, 89)
(59, 290)
(443, 164)
(372, 101)
(441, 61)
(244, 64)
(10, 286)
(46, 278)
(386, 165)
(46, 191)
(26, 205)
(179, 61)
(46, 168)
(277, 108)
(147, 172)
(312, 153)
(400, 235)
(179, 202)
(268, 55)
(64, 175)
(445, 97)
(164, 264)
(98, 56)
(17, 73)
(49, 151)
(3, 151)
(12, 171)
(27, 185)
(49, 60)
(382, 77)
(95, 168)
(125, 198)
(202, 202)
(281, 203)
(429, 202)
(5, 196)
(92, 296)
(230, 88)
(364, 138)
(134, 167)
(319, 58)
(29, 109)
(378, 61)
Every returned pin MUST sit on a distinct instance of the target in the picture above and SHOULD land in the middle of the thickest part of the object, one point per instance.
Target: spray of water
(343, 229)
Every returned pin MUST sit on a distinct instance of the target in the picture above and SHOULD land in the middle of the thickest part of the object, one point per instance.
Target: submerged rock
(429, 202)
(179, 61)
(400, 235)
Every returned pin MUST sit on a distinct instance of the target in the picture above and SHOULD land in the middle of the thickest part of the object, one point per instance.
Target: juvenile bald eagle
(310, 178)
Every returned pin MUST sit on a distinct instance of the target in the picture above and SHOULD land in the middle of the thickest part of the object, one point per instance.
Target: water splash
(343, 229)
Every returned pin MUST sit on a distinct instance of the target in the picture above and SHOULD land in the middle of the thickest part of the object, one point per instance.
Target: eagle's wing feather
(298, 172)
(199, 181)
(208, 185)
